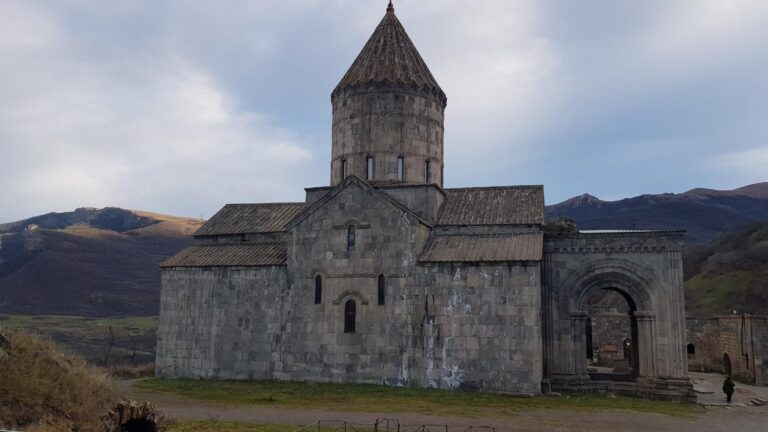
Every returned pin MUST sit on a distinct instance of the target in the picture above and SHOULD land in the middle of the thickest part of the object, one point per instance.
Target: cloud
(749, 163)
(150, 130)
(181, 108)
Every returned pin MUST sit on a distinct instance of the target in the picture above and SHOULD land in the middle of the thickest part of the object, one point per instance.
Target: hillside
(91, 262)
(729, 273)
(704, 213)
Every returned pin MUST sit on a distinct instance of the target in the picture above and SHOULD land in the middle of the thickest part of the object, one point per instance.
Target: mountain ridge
(704, 213)
(91, 262)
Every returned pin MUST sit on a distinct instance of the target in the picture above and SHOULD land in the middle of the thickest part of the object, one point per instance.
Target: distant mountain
(92, 262)
(704, 213)
(729, 273)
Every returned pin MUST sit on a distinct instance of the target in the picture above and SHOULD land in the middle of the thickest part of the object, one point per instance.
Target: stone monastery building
(387, 277)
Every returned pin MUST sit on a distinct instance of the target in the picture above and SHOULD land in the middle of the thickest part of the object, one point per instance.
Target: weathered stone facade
(395, 280)
(731, 344)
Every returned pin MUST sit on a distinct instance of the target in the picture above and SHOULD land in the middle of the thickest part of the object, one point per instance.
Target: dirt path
(716, 418)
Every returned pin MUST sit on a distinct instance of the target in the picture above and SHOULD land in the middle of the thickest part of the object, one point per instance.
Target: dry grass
(43, 389)
(220, 426)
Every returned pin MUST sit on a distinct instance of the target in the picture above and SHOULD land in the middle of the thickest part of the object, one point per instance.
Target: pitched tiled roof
(484, 248)
(390, 56)
(511, 205)
(233, 254)
(250, 219)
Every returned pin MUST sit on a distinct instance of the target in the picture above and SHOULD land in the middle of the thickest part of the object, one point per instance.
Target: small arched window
(318, 289)
(427, 174)
(350, 316)
(691, 348)
(400, 168)
(343, 169)
(351, 238)
(369, 168)
(382, 290)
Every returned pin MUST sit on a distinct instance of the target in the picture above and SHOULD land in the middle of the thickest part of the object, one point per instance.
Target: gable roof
(250, 219)
(349, 181)
(484, 248)
(390, 56)
(505, 205)
(232, 254)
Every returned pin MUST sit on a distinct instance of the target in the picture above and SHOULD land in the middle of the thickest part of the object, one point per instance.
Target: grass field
(219, 426)
(373, 398)
(90, 337)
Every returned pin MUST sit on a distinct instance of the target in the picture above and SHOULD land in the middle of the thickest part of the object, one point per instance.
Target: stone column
(646, 343)
(579, 325)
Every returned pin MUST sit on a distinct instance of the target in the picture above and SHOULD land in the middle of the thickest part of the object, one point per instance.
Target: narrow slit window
(400, 168)
(369, 168)
(350, 316)
(343, 169)
(318, 289)
(382, 290)
(351, 238)
(427, 174)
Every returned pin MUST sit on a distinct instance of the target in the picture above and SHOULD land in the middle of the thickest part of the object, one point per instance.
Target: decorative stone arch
(635, 284)
(346, 295)
(622, 275)
(645, 267)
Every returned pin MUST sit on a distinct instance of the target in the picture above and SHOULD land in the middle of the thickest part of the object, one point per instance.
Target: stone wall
(704, 335)
(477, 327)
(219, 322)
(742, 338)
(387, 123)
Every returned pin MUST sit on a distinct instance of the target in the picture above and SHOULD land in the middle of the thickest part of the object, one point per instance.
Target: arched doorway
(726, 364)
(612, 348)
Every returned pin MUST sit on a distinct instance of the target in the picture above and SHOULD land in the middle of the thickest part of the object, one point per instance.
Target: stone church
(387, 277)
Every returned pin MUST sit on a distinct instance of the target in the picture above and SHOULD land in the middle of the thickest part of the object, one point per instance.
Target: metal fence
(387, 425)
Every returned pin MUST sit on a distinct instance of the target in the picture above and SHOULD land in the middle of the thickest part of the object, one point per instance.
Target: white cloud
(151, 130)
(182, 107)
(752, 162)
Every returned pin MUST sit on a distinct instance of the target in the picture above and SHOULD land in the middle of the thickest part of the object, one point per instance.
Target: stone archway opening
(727, 364)
(612, 342)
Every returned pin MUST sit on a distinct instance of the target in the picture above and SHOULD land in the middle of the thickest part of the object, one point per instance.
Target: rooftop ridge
(264, 204)
(495, 187)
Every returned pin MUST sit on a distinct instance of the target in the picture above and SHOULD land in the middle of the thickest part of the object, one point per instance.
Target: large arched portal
(613, 314)
(612, 350)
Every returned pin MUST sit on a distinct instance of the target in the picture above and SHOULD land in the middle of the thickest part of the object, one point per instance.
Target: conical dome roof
(390, 57)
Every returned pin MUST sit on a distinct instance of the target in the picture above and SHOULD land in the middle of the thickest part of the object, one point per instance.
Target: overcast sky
(182, 106)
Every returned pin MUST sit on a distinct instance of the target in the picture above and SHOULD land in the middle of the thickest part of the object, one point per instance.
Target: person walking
(728, 387)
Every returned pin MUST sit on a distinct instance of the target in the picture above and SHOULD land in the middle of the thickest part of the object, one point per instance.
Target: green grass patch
(718, 295)
(219, 426)
(374, 398)
(133, 338)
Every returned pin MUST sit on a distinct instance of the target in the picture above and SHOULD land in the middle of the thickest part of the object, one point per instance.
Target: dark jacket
(728, 386)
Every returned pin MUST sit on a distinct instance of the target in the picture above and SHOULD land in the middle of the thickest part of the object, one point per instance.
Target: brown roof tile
(233, 254)
(506, 205)
(484, 248)
(390, 56)
(250, 219)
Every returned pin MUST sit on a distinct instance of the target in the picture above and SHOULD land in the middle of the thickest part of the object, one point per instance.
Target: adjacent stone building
(730, 344)
(387, 277)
